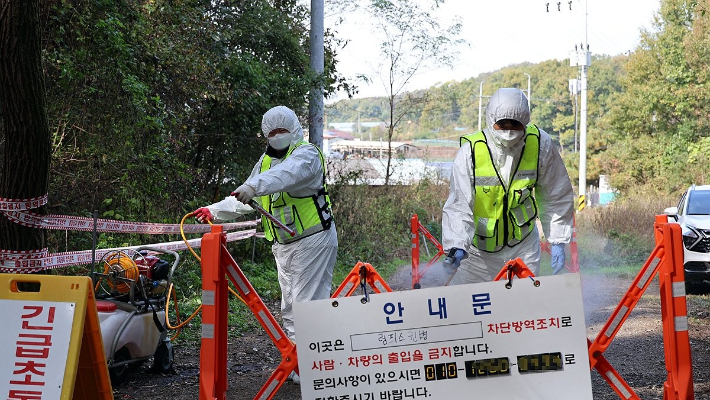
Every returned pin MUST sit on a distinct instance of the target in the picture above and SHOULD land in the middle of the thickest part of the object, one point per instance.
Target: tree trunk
(25, 169)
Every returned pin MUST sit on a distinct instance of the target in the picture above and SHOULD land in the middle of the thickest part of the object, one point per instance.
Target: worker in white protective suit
(503, 178)
(289, 182)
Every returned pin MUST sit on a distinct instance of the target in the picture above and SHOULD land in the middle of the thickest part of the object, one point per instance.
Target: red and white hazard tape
(17, 210)
(22, 204)
(66, 222)
(23, 262)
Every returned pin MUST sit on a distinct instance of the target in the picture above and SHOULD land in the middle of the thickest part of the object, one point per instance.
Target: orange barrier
(515, 268)
(667, 260)
(216, 263)
(213, 350)
(362, 274)
(417, 228)
(573, 265)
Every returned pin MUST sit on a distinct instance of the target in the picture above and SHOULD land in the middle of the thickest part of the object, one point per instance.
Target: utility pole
(480, 103)
(574, 91)
(315, 106)
(584, 62)
(582, 59)
(529, 94)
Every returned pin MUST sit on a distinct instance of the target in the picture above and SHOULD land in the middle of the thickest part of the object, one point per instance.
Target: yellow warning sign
(51, 339)
(581, 202)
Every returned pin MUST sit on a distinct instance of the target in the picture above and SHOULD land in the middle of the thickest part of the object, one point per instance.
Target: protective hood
(282, 117)
(507, 103)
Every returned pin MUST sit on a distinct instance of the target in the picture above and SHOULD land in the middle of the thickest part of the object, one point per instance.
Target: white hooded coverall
(305, 266)
(553, 193)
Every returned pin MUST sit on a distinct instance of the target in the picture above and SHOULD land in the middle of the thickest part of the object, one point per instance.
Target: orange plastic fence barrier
(667, 260)
(213, 350)
(416, 229)
(361, 274)
(216, 263)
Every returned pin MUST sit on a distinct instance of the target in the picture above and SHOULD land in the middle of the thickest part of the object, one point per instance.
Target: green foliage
(156, 107)
(663, 111)
(388, 211)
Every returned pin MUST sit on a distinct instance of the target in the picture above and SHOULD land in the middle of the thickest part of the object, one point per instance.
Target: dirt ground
(636, 352)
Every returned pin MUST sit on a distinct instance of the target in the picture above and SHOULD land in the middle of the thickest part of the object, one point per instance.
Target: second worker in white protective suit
(503, 178)
(289, 182)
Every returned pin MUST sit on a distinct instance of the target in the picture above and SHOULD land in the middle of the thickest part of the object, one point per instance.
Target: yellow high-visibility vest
(305, 215)
(503, 216)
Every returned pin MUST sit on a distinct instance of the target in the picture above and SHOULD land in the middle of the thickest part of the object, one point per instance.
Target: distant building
(606, 192)
(353, 126)
(374, 149)
(331, 136)
(372, 171)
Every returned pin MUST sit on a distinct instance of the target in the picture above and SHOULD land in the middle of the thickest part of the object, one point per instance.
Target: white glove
(244, 193)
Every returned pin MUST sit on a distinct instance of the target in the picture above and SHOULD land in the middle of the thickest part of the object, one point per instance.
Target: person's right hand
(203, 214)
(244, 193)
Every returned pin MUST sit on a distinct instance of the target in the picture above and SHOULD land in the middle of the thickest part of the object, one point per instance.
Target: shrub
(620, 233)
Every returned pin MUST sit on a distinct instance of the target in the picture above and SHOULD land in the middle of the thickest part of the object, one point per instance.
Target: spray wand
(271, 218)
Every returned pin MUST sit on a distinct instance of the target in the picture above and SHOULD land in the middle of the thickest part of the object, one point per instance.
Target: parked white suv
(693, 216)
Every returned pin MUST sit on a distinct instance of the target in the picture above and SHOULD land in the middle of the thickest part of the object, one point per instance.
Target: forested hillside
(648, 111)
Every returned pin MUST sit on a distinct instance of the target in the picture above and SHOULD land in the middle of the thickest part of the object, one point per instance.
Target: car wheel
(119, 374)
(163, 358)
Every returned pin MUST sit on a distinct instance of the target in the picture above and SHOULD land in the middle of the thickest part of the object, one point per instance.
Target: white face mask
(280, 141)
(507, 138)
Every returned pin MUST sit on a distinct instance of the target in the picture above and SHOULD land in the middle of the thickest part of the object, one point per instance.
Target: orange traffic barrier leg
(674, 310)
(213, 350)
(416, 229)
(361, 274)
(289, 359)
(415, 251)
(216, 263)
(666, 260)
(615, 381)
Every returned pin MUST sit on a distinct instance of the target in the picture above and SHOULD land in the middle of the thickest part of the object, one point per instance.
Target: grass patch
(698, 308)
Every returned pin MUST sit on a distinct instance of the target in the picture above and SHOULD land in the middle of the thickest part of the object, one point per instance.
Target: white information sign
(35, 345)
(480, 341)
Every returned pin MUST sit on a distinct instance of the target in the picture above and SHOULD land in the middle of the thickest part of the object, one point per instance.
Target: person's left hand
(244, 193)
(453, 260)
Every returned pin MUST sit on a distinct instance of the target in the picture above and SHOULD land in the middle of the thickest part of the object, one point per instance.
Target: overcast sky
(505, 32)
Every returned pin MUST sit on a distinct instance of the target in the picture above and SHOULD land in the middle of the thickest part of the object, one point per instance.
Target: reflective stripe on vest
(305, 215)
(503, 217)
